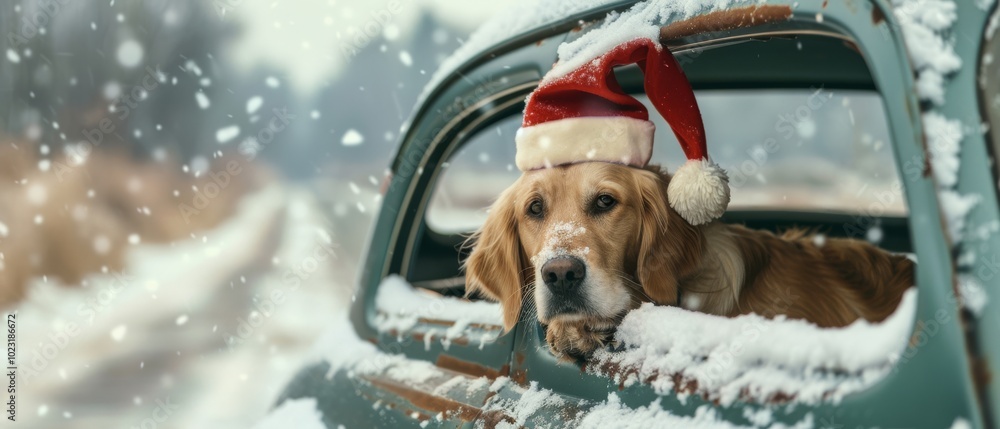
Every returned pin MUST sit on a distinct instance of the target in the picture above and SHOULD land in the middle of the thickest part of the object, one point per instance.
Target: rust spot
(450, 323)
(434, 404)
(520, 376)
(825, 3)
(726, 20)
(852, 46)
(878, 16)
(467, 367)
(519, 358)
(927, 171)
(493, 419)
(577, 29)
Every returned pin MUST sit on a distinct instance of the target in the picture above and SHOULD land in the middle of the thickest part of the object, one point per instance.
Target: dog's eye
(535, 209)
(605, 202)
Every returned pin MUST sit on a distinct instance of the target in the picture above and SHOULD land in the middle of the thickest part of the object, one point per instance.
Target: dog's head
(584, 241)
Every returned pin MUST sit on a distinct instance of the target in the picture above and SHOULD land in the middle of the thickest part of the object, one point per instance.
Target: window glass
(797, 150)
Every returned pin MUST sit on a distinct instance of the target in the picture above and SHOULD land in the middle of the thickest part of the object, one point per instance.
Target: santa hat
(585, 116)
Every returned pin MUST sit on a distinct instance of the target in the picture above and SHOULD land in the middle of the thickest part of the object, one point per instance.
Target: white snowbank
(400, 306)
(299, 413)
(751, 356)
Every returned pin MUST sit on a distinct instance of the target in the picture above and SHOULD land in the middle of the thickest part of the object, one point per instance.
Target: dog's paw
(576, 340)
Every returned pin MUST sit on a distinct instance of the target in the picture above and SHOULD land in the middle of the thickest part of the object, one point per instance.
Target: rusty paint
(450, 323)
(520, 376)
(728, 19)
(878, 16)
(492, 420)
(426, 401)
(470, 368)
(826, 3)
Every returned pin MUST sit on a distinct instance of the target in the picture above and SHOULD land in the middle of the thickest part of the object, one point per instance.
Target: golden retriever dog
(585, 243)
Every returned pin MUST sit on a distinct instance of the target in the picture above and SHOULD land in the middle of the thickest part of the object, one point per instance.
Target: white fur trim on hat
(699, 191)
(618, 139)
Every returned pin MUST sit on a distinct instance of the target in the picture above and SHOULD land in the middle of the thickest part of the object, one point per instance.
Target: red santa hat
(585, 116)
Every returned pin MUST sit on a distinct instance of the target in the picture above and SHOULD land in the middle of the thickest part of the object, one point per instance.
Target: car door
(930, 375)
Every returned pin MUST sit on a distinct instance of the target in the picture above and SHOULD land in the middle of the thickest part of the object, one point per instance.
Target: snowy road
(200, 333)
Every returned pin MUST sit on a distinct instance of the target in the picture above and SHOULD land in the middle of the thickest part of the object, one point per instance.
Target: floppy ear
(496, 266)
(669, 247)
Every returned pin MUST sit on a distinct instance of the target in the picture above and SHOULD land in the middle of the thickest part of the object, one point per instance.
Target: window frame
(894, 76)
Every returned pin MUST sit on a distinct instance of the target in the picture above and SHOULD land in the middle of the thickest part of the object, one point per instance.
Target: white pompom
(699, 191)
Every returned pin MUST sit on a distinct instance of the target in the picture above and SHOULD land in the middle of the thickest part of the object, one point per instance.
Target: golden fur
(641, 250)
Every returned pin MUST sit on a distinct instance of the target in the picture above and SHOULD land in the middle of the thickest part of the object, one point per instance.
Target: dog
(585, 243)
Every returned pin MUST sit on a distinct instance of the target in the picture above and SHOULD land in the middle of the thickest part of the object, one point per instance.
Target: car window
(813, 150)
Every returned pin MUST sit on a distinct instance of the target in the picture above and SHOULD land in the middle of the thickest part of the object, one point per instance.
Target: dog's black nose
(563, 273)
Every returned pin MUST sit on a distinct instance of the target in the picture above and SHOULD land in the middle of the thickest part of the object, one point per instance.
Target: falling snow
(352, 138)
(118, 333)
(226, 134)
(12, 56)
(405, 58)
(202, 100)
(254, 103)
(129, 53)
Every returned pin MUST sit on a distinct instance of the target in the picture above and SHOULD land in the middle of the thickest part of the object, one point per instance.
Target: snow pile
(613, 413)
(752, 357)
(643, 20)
(294, 413)
(525, 404)
(944, 144)
(972, 294)
(400, 306)
(924, 23)
(344, 351)
(530, 407)
(521, 17)
(926, 26)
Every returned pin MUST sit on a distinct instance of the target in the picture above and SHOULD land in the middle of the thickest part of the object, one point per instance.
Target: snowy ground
(201, 333)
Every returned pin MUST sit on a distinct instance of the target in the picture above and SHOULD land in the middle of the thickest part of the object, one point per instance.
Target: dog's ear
(496, 267)
(669, 246)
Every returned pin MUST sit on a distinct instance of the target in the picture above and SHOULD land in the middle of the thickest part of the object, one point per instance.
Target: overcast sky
(306, 37)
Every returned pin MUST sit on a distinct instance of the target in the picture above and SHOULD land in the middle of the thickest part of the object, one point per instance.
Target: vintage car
(870, 119)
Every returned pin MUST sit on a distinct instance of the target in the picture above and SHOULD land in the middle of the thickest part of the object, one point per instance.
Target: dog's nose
(563, 273)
